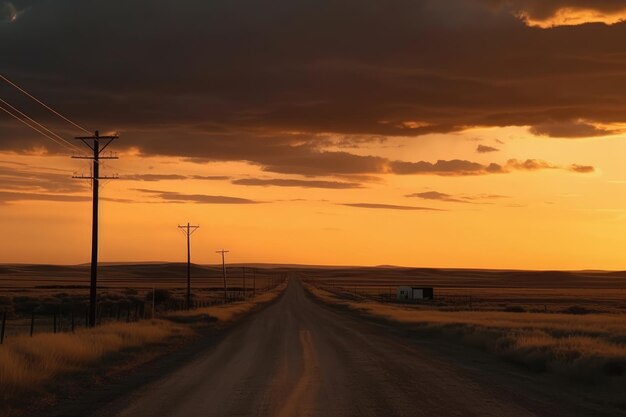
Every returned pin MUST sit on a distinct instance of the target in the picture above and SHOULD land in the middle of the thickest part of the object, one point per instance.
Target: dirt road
(301, 358)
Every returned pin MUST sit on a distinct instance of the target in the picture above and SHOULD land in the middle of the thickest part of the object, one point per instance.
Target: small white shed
(415, 293)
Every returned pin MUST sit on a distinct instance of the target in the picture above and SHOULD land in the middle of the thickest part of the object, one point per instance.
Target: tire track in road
(300, 401)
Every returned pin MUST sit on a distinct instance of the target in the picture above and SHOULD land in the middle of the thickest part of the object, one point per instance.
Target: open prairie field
(567, 323)
(500, 290)
(51, 293)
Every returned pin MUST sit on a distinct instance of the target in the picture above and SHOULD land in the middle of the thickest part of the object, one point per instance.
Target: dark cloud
(377, 68)
(543, 10)
(486, 149)
(280, 182)
(174, 197)
(388, 207)
(570, 129)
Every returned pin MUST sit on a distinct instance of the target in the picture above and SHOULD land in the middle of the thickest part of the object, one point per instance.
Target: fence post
(87, 319)
(54, 322)
(4, 325)
(72, 321)
(32, 324)
(128, 315)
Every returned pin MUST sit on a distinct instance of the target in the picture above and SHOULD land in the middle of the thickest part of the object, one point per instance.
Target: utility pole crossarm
(108, 139)
(85, 177)
(91, 157)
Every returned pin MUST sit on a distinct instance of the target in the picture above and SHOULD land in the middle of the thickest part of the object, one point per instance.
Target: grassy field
(588, 347)
(27, 363)
(485, 290)
(124, 291)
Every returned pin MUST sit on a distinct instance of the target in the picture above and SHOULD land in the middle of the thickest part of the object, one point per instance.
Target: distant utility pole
(97, 144)
(188, 231)
(223, 252)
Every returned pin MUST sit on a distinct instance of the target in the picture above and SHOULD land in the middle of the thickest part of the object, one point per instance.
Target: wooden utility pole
(253, 282)
(188, 231)
(97, 144)
(223, 252)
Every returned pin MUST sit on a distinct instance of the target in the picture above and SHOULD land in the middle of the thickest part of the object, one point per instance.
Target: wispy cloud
(8, 196)
(486, 149)
(280, 182)
(459, 167)
(389, 207)
(152, 177)
(583, 169)
(175, 197)
(435, 195)
(171, 177)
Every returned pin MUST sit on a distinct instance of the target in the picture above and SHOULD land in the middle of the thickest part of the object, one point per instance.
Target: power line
(30, 119)
(41, 132)
(43, 104)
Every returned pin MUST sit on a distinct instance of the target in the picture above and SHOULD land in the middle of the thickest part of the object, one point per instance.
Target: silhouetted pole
(188, 231)
(4, 326)
(223, 252)
(244, 282)
(93, 142)
(253, 282)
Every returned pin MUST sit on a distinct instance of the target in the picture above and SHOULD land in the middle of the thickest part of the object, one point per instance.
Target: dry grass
(228, 312)
(26, 363)
(590, 347)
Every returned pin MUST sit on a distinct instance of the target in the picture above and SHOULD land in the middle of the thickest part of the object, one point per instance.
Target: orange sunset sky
(448, 133)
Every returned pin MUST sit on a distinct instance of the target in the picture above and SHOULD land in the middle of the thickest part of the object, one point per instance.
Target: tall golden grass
(228, 312)
(27, 362)
(592, 346)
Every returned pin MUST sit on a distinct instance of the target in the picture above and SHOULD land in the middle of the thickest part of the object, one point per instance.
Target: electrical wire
(30, 119)
(43, 104)
(41, 132)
